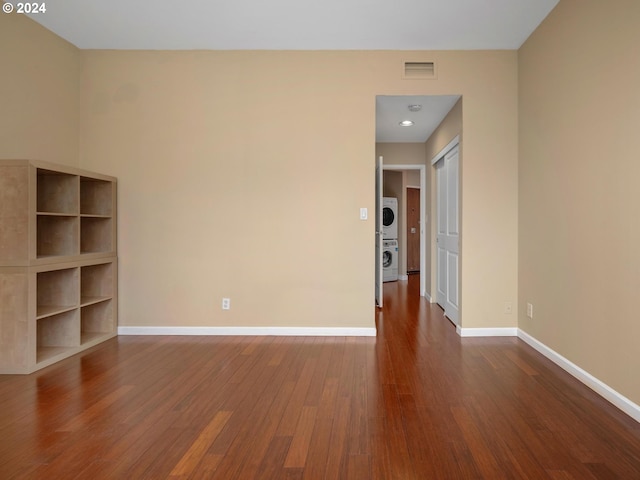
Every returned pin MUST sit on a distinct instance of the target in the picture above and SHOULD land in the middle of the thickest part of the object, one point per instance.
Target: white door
(379, 232)
(448, 235)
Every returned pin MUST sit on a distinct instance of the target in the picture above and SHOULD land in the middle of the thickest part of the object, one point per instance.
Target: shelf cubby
(57, 335)
(57, 235)
(57, 192)
(57, 291)
(95, 235)
(96, 197)
(96, 320)
(96, 283)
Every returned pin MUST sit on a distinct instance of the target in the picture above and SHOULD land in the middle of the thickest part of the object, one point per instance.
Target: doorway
(403, 146)
(421, 170)
(412, 230)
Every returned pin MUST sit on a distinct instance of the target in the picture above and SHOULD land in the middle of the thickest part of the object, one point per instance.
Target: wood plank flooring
(417, 402)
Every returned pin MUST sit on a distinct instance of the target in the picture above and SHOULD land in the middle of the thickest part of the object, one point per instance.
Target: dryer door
(387, 216)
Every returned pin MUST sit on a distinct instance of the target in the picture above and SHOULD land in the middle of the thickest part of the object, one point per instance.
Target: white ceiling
(295, 24)
(391, 110)
(307, 25)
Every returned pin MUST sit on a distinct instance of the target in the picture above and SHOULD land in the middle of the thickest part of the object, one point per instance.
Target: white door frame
(445, 150)
(379, 232)
(423, 216)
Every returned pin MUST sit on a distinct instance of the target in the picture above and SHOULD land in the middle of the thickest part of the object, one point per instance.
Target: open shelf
(48, 354)
(57, 236)
(57, 291)
(85, 301)
(96, 283)
(93, 337)
(96, 320)
(49, 310)
(57, 192)
(56, 334)
(96, 197)
(95, 235)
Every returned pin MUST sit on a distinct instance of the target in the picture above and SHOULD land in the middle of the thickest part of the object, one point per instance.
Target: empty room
(193, 274)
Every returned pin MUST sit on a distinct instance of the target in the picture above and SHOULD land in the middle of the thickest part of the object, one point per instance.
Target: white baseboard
(487, 332)
(602, 389)
(403, 277)
(427, 296)
(257, 331)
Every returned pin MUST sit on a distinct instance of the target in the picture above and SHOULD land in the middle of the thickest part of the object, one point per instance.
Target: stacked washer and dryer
(389, 239)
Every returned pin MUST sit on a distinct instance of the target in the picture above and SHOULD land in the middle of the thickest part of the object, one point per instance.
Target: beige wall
(228, 173)
(392, 183)
(229, 186)
(401, 153)
(412, 178)
(39, 93)
(578, 181)
(449, 128)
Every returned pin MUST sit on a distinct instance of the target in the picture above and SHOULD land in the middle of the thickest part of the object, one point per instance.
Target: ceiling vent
(418, 70)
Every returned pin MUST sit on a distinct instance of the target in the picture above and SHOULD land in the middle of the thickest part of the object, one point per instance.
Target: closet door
(448, 235)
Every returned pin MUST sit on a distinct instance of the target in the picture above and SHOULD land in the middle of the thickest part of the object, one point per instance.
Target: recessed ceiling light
(414, 108)
(406, 123)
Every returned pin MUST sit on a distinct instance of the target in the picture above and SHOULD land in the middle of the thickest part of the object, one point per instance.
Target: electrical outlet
(226, 303)
(508, 308)
(529, 310)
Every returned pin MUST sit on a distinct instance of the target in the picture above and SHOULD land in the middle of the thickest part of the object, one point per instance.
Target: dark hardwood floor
(417, 402)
